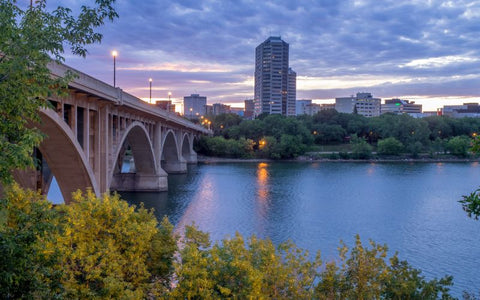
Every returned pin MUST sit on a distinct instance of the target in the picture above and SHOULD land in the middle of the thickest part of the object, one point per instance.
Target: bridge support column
(191, 158)
(175, 166)
(134, 182)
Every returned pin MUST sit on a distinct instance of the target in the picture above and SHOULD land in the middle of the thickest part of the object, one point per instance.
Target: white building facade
(363, 104)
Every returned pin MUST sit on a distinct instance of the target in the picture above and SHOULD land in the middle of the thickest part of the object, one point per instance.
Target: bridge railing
(100, 89)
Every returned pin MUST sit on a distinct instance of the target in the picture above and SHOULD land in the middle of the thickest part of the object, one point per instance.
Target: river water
(411, 207)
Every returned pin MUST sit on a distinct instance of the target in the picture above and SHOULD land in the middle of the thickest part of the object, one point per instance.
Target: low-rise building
(399, 106)
(471, 110)
(363, 103)
(249, 109)
(220, 108)
(166, 105)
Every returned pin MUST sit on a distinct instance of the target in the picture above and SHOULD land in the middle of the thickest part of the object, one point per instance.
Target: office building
(399, 106)
(194, 106)
(219, 108)
(363, 103)
(249, 109)
(471, 110)
(291, 93)
(273, 78)
(166, 105)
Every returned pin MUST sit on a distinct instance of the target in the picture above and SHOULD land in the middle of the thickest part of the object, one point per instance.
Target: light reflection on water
(412, 207)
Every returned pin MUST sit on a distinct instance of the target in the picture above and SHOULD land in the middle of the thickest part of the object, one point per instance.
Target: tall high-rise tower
(272, 78)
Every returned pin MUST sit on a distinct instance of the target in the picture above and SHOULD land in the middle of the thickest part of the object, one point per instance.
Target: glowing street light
(191, 113)
(114, 54)
(169, 95)
(150, 81)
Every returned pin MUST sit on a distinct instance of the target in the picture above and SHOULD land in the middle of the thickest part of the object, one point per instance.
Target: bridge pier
(175, 166)
(135, 182)
(191, 158)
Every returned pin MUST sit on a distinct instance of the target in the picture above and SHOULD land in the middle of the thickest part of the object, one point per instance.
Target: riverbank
(303, 158)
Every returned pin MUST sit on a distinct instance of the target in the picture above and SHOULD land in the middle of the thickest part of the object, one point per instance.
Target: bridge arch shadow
(135, 147)
(62, 157)
(188, 153)
(171, 160)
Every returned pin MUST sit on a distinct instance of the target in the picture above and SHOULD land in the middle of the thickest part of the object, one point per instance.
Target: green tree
(291, 146)
(360, 148)
(389, 146)
(113, 250)
(459, 146)
(471, 203)
(239, 269)
(269, 148)
(28, 265)
(31, 38)
(367, 273)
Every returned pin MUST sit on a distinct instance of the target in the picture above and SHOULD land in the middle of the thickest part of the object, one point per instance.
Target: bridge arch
(172, 161)
(187, 148)
(146, 177)
(64, 157)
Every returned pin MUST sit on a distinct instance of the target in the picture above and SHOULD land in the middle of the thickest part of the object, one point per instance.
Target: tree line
(277, 137)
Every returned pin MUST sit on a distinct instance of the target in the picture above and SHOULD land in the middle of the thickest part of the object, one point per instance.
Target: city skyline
(415, 50)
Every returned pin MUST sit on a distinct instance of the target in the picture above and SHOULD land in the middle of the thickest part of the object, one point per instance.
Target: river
(412, 207)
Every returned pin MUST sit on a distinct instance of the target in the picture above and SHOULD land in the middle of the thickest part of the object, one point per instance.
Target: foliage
(367, 273)
(389, 146)
(219, 146)
(28, 266)
(241, 269)
(471, 204)
(111, 250)
(360, 149)
(459, 146)
(329, 127)
(30, 39)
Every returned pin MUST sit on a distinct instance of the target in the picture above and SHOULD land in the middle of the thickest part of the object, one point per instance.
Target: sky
(422, 50)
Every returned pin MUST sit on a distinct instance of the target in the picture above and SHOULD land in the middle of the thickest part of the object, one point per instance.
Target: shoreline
(212, 160)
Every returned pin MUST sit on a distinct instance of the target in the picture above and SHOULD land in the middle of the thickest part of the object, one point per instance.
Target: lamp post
(169, 95)
(191, 113)
(150, 81)
(114, 54)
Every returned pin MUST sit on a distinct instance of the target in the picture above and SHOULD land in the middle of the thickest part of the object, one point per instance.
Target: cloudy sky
(423, 50)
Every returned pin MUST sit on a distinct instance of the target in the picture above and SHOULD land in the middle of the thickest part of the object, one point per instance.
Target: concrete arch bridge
(97, 130)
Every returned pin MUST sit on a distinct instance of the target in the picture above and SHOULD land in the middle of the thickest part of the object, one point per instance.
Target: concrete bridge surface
(95, 128)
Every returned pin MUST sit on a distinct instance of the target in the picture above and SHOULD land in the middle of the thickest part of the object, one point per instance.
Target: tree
(113, 250)
(459, 146)
(360, 149)
(389, 146)
(28, 265)
(367, 273)
(239, 269)
(31, 38)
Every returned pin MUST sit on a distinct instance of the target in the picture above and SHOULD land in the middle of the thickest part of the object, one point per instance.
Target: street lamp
(191, 113)
(169, 95)
(114, 54)
(150, 81)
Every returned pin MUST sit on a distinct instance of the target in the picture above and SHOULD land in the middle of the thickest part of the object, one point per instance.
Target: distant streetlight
(114, 54)
(191, 113)
(169, 95)
(150, 81)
